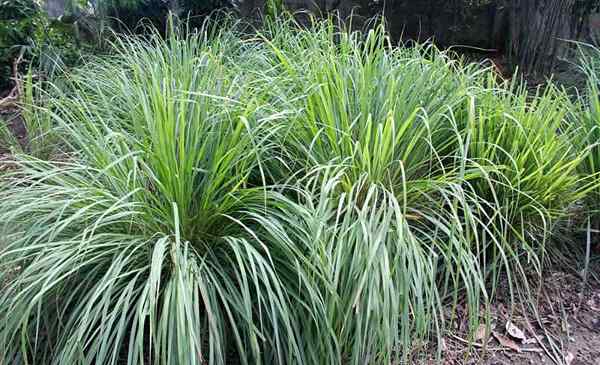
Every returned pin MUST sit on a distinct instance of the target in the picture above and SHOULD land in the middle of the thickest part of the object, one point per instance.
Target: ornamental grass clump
(140, 245)
(519, 134)
(480, 169)
(382, 116)
(519, 138)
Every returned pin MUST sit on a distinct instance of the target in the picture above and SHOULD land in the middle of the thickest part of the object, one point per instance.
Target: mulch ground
(565, 329)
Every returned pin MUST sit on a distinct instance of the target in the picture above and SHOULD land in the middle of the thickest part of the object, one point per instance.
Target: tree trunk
(175, 8)
(539, 30)
(55, 8)
(250, 9)
(533, 33)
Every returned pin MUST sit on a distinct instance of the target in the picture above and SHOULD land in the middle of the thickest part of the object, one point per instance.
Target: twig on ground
(480, 345)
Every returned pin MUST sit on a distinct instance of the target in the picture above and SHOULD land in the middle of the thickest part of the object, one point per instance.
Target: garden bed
(564, 329)
(301, 195)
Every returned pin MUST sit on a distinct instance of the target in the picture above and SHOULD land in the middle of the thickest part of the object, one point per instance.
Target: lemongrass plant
(384, 279)
(480, 169)
(140, 246)
(521, 135)
(297, 196)
(586, 127)
(376, 109)
(385, 117)
(40, 139)
(519, 138)
(519, 132)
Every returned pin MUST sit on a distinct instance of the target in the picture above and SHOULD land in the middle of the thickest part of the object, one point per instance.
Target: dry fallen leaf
(592, 305)
(569, 357)
(444, 346)
(506, 342)
(480, 333)
(514, 331)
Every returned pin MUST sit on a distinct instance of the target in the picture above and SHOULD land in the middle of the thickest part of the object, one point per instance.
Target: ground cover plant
(292, 196)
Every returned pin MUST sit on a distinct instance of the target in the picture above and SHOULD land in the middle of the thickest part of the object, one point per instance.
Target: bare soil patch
(565, 329)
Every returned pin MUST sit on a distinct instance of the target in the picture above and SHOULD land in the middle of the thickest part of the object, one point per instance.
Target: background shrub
(45, 44)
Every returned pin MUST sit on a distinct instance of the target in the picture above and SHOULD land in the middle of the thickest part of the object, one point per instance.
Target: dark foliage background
(27, 31)
(530, 33)
(50, 43)
(129, 13)
(18, 20)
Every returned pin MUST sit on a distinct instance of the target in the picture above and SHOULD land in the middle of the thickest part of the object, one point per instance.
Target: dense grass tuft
(586, 127)
(142, 242)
